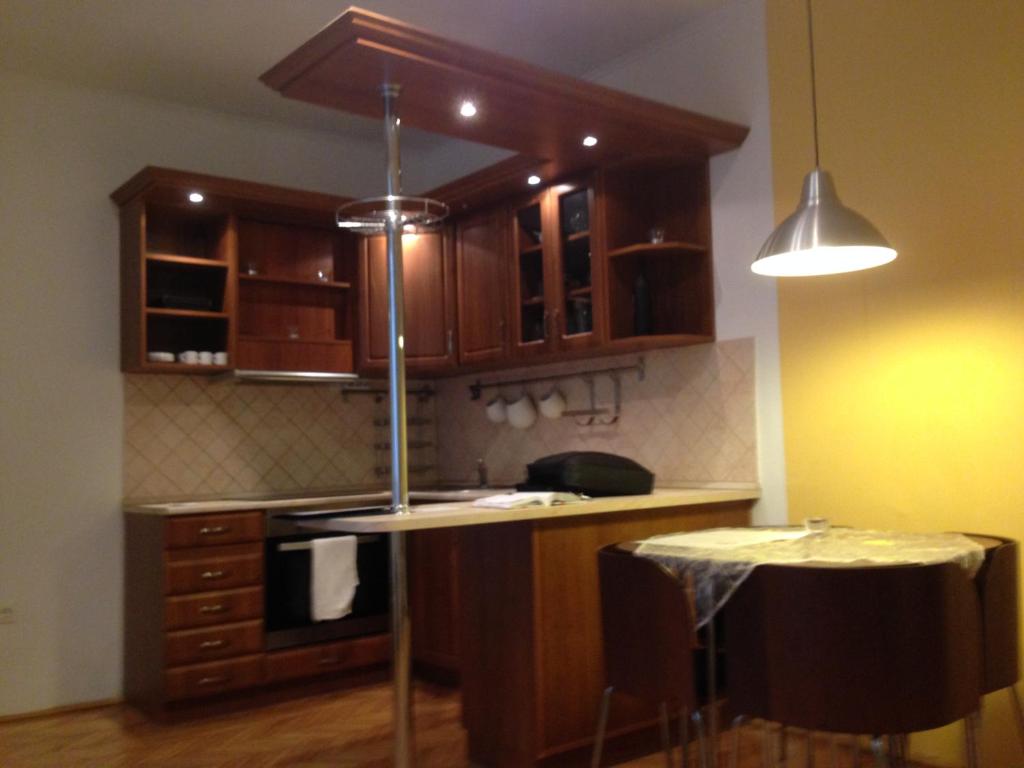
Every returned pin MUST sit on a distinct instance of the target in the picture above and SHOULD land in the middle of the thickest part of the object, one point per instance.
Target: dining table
(713, 563)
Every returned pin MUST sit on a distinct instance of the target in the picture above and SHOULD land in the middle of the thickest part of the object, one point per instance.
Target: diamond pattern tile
(692, 420)
(189, 436)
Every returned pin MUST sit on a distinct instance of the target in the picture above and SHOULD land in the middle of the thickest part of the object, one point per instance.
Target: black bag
(588, 472)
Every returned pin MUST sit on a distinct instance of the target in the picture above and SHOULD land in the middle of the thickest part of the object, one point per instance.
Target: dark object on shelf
(181, 301)
(641, 306)
(576, 212)
(588, 472)
(582, 315)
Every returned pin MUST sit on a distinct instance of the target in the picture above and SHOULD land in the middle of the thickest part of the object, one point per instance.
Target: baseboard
(65, 710)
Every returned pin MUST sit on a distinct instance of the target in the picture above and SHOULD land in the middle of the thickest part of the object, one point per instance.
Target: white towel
(333, 577)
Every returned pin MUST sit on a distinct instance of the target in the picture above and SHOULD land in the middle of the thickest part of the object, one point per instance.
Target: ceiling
(209, 53)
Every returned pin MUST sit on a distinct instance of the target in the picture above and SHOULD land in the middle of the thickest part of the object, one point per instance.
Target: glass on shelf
(575, 212)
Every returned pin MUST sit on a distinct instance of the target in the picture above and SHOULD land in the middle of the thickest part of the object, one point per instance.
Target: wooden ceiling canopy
(539, 114)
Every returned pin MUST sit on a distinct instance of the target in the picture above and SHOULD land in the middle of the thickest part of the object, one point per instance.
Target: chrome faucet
(481, 472)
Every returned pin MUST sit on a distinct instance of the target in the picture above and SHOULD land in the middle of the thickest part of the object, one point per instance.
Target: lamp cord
(814, 90)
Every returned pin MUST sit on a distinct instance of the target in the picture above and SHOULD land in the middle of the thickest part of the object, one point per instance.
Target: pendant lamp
(823, 237)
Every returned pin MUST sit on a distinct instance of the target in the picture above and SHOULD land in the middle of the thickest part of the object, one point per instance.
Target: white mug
(496, 410)
(220, 358)
(206, 358)
(552, 405)
(522, 413)
(189, 357)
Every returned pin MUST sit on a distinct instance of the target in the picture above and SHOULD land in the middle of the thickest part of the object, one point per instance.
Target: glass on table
(817, 525)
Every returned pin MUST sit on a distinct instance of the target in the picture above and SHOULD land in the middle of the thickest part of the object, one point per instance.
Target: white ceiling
(209, 53)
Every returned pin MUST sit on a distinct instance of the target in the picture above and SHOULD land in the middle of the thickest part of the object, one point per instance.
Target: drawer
(325, 658)
(213, 678)
(211, 530)
(203, 574)
(191, 646)
(213, 608)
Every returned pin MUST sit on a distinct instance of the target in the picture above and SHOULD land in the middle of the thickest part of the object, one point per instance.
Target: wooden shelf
(268, 279)
(580, 292)
(533, 301)
(531, 249)
(193, 261)
(183, 368)
(288, 340)
(668, 247)
(656, 340)
(577, 236)
(164, 312)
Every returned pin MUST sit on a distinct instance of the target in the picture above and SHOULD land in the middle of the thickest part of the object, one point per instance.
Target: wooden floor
(341, 730)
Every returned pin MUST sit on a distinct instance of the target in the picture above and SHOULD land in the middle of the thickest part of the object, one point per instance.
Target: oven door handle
(299, 546)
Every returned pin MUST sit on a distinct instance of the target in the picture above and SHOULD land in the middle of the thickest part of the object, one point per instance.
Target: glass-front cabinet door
(571, 215)
(532, 326)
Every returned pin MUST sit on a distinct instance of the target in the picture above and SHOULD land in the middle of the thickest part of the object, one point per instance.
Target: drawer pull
(213, 530)
(215, 608)
(328, 661)
(214, 680)
(213, 574)
(208, 644)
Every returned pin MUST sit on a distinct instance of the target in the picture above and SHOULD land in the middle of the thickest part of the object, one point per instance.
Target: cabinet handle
(451, 342)
(213, 574)
(215, 608)
(328, 661)
(208, 644)
(214, 680)
(213, 530)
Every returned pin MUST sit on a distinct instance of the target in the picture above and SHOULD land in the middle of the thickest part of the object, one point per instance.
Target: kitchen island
(529, 615)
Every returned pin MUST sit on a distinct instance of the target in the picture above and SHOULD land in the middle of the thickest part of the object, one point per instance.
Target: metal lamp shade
(823, 237)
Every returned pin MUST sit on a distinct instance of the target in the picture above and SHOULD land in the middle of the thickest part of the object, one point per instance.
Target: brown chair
(882, 650)
(998, 588)
(648, 639)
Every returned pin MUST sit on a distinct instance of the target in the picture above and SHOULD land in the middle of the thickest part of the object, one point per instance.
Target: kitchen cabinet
(557, 290)
(183, 236)
(434, 604)
(194, 615)
(482, 268)
(657, 221)
(429, 303)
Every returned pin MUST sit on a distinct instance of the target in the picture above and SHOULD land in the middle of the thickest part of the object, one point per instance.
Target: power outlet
(6, 614)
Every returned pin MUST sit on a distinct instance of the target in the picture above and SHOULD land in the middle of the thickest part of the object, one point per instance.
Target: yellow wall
(903, 387)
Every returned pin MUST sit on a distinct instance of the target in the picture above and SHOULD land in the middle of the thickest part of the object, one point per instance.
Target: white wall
(62, 151)
(717, 65)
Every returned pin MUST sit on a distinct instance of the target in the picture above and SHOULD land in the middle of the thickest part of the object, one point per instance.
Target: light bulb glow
(590, 141)
(533, 180)
(467, 109)
(823, 260)
(196, 197)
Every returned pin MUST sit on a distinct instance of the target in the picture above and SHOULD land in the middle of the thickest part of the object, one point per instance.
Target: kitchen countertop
(457, 514)
(449, 508)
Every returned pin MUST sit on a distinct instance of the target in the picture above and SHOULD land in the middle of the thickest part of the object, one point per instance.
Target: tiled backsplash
(193, 436)
(690, 421)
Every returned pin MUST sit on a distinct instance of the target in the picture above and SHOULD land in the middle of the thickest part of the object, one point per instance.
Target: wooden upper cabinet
(482, 267)
(429, 303)
(557, 281)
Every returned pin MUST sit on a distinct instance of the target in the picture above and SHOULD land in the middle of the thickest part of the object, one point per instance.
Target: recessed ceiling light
(533, 180)
(467, 109)
(590, 141)
(196, 197)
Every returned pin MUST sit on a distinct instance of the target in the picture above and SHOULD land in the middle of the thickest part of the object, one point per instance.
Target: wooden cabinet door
(481, 255)
(429, 303)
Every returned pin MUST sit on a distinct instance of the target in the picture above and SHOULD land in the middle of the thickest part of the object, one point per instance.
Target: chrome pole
(400, 629)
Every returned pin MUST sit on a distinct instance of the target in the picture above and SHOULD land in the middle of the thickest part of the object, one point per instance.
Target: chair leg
(702, 741)
(734, 757)
(666, 735)
(602, 723)
(684, 738)
(878, 750)
(1018, 713)
(971, 740)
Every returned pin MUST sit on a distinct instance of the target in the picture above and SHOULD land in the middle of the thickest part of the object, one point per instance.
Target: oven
(288, 576)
